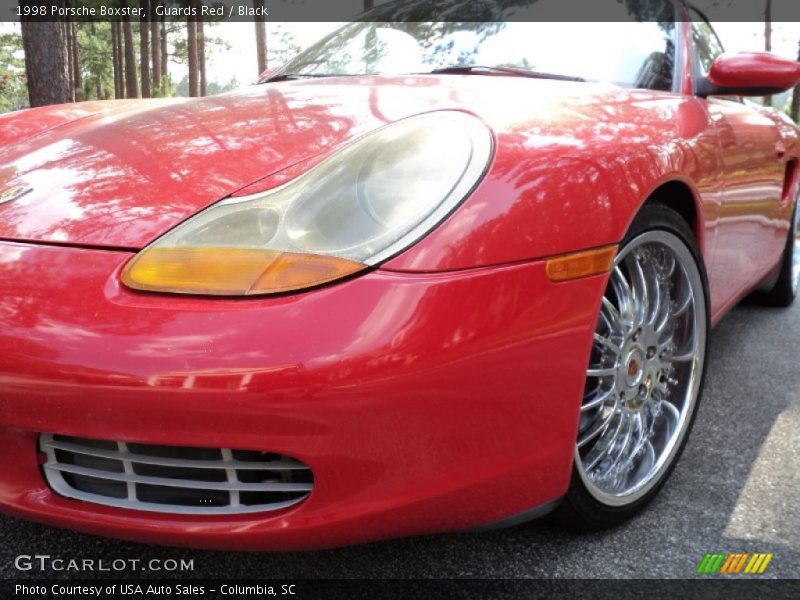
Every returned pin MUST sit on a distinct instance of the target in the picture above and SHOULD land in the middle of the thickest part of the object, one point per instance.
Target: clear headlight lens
(364, 204)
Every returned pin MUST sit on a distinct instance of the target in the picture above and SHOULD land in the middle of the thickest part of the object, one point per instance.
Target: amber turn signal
(231, 271)
(581, 264)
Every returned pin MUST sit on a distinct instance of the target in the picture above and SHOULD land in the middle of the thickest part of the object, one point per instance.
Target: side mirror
(749, 74)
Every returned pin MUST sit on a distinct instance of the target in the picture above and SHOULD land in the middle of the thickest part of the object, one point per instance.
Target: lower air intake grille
(173, 479)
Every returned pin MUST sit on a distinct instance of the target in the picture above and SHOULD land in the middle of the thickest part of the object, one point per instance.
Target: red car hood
(119, 174)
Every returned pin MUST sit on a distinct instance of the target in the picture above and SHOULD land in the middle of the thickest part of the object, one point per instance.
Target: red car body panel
(141, 172)
(16, 127)
(561, 156)
(399, 376)
(422, 393)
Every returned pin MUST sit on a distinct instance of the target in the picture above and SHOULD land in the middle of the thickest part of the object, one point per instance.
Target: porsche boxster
(427, 276)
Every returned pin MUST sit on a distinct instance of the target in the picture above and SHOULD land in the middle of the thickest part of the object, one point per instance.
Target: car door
(749, 237)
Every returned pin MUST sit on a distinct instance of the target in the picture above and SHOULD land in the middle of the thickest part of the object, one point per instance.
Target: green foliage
(94, 57)
(13, 84)
(176, 34)
(164, 89)
(182, 89)
(788, 106)
(95, 52)
(281, 45)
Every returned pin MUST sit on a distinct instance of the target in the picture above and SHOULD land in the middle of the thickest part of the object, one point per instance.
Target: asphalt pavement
(736, 488)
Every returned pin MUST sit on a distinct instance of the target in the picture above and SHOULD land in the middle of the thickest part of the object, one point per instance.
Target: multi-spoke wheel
(645, 371)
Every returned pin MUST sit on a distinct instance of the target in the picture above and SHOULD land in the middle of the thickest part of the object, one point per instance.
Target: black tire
(579, 509)
(784, 291)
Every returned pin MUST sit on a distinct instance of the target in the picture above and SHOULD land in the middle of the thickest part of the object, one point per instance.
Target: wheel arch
(681, 196)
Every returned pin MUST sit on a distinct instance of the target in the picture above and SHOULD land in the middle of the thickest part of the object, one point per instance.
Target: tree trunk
(70, 57)
(768, 38)
(164, 54)
(121, 55)
(119, 77)
(144, 51)
(98, 82)
(191, 47)
(45, 46)
(261, 38)
(76, 64)
(794, 111)
(155, 47)
(131, 85)
(201, 57)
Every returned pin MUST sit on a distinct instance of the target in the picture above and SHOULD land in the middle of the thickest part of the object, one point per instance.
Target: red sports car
(427, 276)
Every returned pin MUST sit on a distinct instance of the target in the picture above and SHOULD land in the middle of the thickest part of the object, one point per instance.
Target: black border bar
(349, 10)
(401, 589)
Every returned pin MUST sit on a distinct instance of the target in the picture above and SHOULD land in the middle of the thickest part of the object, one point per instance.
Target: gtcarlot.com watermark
(46, 563)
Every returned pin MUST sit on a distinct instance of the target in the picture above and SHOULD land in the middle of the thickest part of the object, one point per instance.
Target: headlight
(369, 201)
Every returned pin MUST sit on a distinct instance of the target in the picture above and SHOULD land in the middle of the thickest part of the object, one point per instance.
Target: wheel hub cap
(635, 371)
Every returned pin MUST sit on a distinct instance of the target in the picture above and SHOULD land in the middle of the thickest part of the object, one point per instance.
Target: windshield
(632, 51)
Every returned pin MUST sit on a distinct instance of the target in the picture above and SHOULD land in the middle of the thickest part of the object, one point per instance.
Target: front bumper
(422, 402)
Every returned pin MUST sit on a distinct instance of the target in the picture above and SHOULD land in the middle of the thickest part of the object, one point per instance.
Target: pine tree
(261, 38)
(46, 63)
(131, 85)
(144, 49)
(191, 45)
(794, 111)
(155, 47)
(201, 58)
(116, 43)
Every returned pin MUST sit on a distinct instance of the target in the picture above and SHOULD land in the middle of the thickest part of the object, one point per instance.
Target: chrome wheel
(645, 369)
